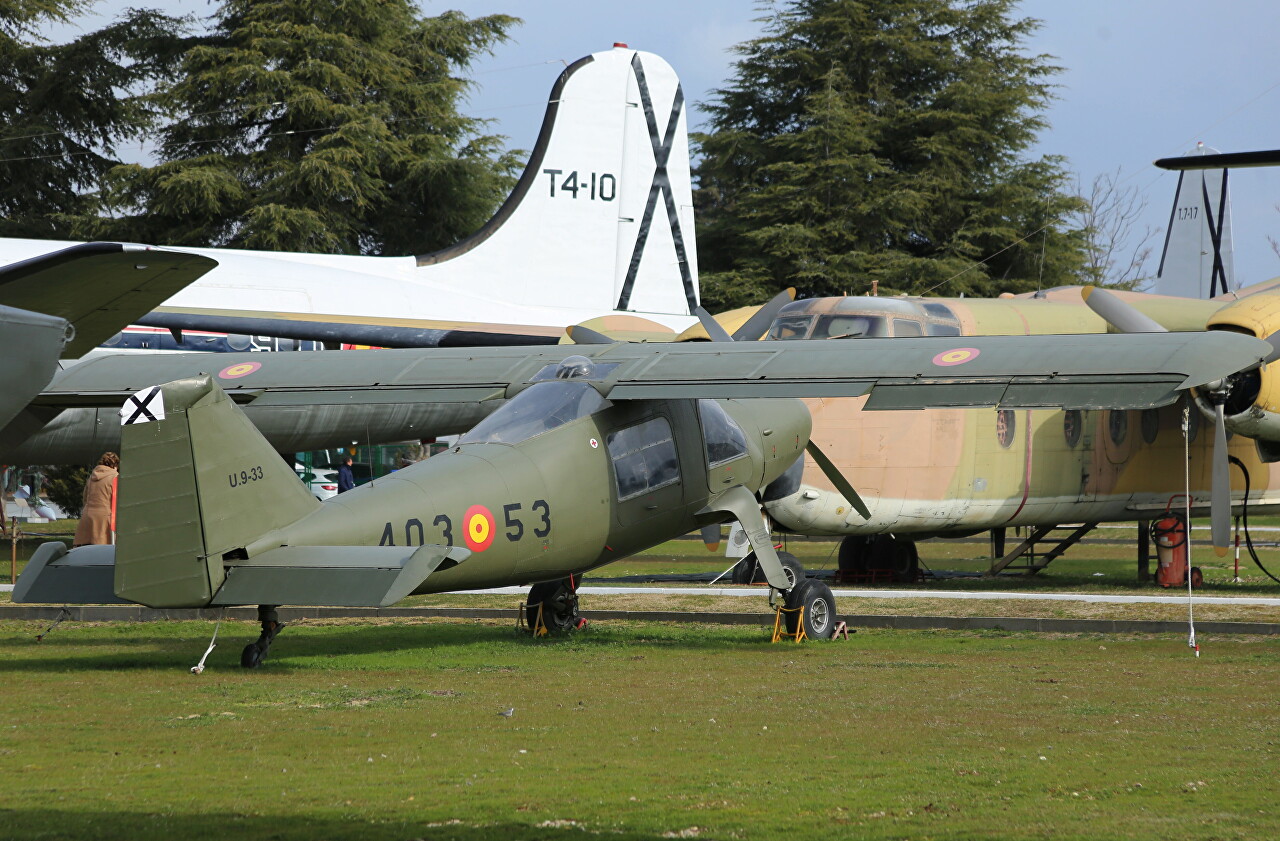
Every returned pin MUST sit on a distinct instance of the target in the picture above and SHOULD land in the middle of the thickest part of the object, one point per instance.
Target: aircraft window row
(644, 457)
(538, 409)
(724, 439)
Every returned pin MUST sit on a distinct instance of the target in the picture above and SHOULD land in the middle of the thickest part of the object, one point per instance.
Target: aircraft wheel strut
(255, 652)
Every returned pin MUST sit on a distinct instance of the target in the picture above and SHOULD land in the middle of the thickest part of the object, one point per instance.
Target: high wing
(1070, 371)
(30, 344)
(99, 287)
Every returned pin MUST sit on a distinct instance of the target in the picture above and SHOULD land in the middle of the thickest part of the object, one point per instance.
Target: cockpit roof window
(539, 408)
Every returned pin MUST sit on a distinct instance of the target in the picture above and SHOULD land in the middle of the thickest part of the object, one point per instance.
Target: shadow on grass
(302, 647)
(55, 824)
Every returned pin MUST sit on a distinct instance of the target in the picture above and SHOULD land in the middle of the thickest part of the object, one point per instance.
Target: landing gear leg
(255, 652)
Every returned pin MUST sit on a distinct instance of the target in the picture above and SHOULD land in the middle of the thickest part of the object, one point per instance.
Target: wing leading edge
(1076, 371)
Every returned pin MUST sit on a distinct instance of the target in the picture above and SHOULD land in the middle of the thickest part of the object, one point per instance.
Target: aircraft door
(646, 469)
(724, 447)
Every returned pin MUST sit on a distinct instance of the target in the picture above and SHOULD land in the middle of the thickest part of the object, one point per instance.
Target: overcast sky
(1142, 79)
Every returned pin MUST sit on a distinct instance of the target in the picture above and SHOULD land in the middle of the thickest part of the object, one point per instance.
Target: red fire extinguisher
(1170, 534)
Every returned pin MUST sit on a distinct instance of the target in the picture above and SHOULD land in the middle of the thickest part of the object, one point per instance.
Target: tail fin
(197, 480)
(1197, 257)
(607, 184)
(203, 502)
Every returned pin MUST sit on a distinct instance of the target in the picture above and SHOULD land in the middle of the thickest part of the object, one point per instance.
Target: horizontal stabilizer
(100, 287)
(56, 576)
(347, 576)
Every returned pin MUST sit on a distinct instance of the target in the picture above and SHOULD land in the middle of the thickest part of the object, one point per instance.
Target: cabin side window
(644, 457)
(724, 439)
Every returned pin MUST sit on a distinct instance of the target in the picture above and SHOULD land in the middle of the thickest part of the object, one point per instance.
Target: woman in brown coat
(96, 525)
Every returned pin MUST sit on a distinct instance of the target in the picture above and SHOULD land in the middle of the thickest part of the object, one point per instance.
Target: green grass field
(633, 731)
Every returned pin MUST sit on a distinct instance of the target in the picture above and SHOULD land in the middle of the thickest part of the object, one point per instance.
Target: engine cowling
(1252, 406)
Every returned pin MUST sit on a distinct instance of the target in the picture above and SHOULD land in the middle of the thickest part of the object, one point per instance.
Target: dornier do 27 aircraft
(600, 451)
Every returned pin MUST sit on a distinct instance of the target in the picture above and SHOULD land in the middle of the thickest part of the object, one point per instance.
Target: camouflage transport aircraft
(948, 473)
(599, 452)
(943, 472)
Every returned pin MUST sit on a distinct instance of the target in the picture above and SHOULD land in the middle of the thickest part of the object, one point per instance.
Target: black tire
(819, 605)
(744, 572)
(251, 656)
(1197, 577)
(906, 561)
(793, 568)
(852, 557)
(559, 600)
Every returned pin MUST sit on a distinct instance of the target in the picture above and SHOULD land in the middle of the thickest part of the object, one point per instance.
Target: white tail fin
(606, 194)
(1196, 262)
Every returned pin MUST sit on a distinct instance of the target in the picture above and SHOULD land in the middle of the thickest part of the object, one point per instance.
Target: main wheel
(559, 601)
(852, 557)
(792, 567)
(819, 616)
(744, 572)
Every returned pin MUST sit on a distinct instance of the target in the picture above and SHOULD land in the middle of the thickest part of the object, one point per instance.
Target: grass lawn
(633, 731)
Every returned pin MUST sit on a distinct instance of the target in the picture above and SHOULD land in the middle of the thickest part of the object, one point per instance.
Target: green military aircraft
(600, 451)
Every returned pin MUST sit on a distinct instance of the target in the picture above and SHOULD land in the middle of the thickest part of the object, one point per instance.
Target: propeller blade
(756, 326)
(1120, 315)
(711, 537)
(586, 336)
(1274, 341)
(837, 479)
(1220, 490)
(713, 328)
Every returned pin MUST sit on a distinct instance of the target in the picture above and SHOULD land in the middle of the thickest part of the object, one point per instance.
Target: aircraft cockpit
(860, 317)
(540, 408)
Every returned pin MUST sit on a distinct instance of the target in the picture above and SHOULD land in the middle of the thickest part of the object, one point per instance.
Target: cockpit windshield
(828, 327)
(849, 327)
(539, 408)
(790, 327)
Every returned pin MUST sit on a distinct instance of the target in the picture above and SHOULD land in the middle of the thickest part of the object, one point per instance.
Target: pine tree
(863, 140)
(324, 126)
(65, 108)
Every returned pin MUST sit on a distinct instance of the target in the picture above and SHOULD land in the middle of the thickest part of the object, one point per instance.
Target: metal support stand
(1027, 548)
(997, 543)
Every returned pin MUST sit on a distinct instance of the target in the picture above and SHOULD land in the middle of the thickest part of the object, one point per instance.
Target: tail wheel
(559, 605)
(819, 615)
